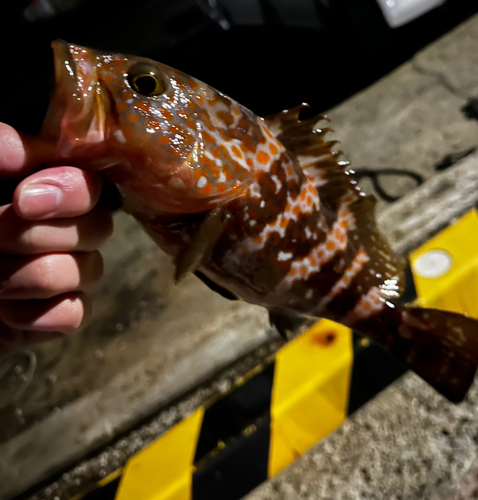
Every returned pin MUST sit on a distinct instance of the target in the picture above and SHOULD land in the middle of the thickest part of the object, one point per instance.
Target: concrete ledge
(431, 207)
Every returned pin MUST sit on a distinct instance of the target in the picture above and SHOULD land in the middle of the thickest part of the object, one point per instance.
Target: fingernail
(39, 199)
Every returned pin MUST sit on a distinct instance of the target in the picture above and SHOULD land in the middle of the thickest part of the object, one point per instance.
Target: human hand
(49, 240)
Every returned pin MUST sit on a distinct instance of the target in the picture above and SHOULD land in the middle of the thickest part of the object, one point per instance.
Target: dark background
(319, 51)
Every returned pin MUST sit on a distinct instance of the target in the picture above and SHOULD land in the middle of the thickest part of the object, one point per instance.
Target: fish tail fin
(441, 347)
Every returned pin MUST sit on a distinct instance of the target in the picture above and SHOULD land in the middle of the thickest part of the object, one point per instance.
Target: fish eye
(147, 81)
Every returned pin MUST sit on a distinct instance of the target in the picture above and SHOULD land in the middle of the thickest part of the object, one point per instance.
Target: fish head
(150, 124)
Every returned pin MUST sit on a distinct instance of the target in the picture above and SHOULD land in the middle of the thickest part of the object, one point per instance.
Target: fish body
(262, 208)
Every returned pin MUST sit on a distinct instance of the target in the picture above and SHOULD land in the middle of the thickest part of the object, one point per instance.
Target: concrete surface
(449, 188)
(149, 341)
(136, 355)
(412, 118)
(408, 443)
(424, 211)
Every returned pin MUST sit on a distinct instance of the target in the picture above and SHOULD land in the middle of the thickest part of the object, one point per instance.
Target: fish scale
(262, 209)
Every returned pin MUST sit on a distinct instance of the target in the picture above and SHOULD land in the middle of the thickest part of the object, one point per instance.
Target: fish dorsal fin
(306, 141)
(334, 181)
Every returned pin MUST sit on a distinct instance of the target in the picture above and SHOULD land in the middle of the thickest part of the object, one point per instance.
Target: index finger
(21, 154)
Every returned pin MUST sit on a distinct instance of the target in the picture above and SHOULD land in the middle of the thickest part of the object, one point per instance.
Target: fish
(262, 209)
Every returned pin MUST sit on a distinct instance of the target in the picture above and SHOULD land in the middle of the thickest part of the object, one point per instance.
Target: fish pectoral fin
(202, 243)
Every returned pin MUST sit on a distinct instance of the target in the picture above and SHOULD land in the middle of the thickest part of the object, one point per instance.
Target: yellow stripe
(163, 470)
(103, 482)
(109, 478)
(445, 268)
(310, 392)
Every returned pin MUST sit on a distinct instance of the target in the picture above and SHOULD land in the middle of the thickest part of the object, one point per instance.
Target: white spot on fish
(202, 182)
(222, 177)
(176, 182)
(284, 256)
(278, 184)
(68, 67)
(309, 294)
(119, 136)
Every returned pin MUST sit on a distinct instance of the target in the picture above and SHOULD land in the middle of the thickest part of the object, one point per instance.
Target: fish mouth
(76, 116)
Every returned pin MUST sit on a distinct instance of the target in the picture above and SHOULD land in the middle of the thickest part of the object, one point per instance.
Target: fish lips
(76, 116)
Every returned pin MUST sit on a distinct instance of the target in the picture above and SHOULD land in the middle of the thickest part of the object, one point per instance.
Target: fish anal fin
(202, 243)
(286, 323)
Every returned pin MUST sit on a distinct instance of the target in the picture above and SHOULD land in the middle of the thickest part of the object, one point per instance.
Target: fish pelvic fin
(285, 322)
(212, 285)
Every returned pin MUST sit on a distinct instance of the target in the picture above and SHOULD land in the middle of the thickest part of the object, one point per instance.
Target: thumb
(21, 154)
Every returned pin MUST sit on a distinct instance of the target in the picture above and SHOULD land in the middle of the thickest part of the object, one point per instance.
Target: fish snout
(76, 118)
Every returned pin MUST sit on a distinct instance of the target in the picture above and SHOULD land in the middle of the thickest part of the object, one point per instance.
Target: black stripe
(409, 294)
(237, 470)
(373, 370)
(215, 287)
(228, 417)
(320, 282)
(106, 492)
(346, 300)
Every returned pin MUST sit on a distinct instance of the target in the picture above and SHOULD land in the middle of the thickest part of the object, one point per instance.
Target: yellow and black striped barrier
(282, 408)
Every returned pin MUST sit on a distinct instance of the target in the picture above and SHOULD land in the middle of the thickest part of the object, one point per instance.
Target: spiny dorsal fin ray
(306, 141)
(303, 137)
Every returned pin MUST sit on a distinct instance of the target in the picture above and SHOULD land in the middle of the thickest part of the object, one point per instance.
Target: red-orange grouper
(261, 208)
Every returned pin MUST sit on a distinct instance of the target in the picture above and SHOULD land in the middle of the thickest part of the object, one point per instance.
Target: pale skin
(49, 240)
